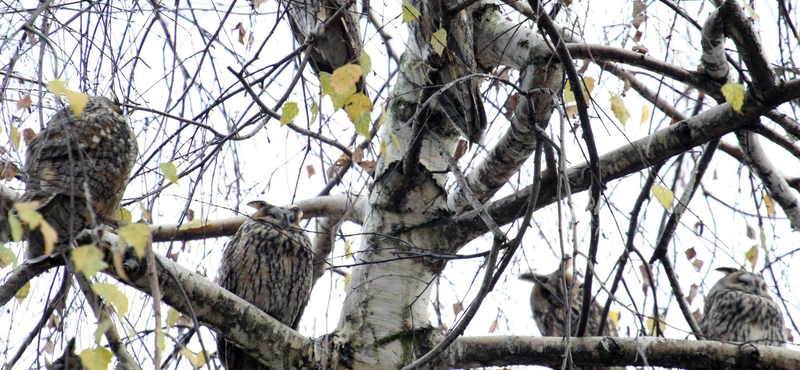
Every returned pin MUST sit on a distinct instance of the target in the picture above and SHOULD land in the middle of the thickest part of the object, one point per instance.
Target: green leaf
(327, 89)
(96, 359)
(382, 118)
(439, 41)
(366, 64)
(410, 13)
(651, 327)
(289, 112)
(137, 234)
(356, 105)
(88, 260)
(362, 124)
(619, 109)
(346, 282)
(7, 257)
(161, 340)
(734, 95)
(664, 196)
(169, 171)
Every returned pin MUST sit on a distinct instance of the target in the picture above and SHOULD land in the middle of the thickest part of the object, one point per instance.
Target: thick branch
(654, 148)
(470, 352)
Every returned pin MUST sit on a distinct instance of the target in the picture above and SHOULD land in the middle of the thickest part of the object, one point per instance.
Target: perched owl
(549, 308)
(338, 42)
(462, 102)
(739, 309)
(69, 360)
(269, 264)
(77, 169)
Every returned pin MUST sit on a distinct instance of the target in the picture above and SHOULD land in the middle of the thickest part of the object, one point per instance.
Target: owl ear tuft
(727, 270)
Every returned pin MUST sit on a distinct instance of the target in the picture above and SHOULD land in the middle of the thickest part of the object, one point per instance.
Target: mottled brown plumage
(739, 309)
(337, 43)
(548, 299)
(78, 167)
(267, 263)
(69, 360)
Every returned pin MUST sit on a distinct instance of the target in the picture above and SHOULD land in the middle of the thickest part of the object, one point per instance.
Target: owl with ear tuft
(268, 263)
(739, 309)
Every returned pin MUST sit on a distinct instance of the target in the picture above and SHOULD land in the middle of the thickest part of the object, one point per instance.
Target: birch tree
(393, 192)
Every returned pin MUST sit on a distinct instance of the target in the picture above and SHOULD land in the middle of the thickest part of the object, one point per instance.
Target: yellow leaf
(347, 252)
(112, 294)
(614, 316)
(395, 142)
(15, 136)
(16, 227)
(346, 282)
(57, 87)
(314, 111)
(136, 234)
(752, 257)
(169, 171)
(161, 340)
(385, 152)
(770, 206)
(382, 118)
(750, 11)
(7, 257)
(172, 317)
(356, 105)
(194, 224)
(96, 359)
(439, 41)
(289, 112)
(651, 327)
(22, 293)
(124, 215)
(50, 236)
(493, 326)
(102, 328)
(645, 113)
(344, 78)
(366, 64)
(588, 84)
(197, 361)
(619, 109)
(362, 124)
(734, 95)
(569, 95)
(664, 195)
(77, 101)
(327, 89)
(88, 260)
(410, 13)
(28, 213)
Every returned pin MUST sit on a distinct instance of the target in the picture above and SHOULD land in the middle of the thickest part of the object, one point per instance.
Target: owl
(462, 102)
(739, 309)
(69, 360)
(77, 169)
(549, 308)
(337, 43)
(268, 263)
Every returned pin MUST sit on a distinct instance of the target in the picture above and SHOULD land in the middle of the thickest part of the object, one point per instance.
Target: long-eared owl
(268, 263)
(739, 309)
